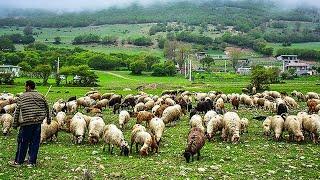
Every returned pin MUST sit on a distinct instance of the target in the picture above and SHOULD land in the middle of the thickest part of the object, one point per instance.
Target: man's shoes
(14, 164)
(31, 165)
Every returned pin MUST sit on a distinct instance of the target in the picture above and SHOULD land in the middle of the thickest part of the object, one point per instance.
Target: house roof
(297, 65)
(290, 55)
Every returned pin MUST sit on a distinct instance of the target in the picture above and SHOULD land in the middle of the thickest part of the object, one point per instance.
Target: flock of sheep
(207, 112)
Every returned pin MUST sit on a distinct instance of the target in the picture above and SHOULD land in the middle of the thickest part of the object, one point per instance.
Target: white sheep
(78, 127)
(154, 109)
(196, 121)
(311, 124)
(95, 129)
(244, 123)
(72, 106)
(145, 139)
(149, 105)
(114, 137)
(210, 114)
(293, 126)
(157, 128)
(312, 95)
(61, 117)
(231, 127)
(171, 113)
(124, 118)
(10, 108)
(49, 131)
(214, 125)
(139, 107)
(290, 102)
(274, 123)
(170, 102)
(200, 96)
(6, 120)
(58, 106)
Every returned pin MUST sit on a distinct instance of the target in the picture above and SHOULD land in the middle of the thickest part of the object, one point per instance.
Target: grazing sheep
(311, 124)
(114, 100)
(254, 90)
(290, 102)
(244, 122)
(200, 96)
(95, 129)
(95, 96)
(171, 113)
(235, 102)
(124, 118)
(312, 95)
(139, 107)
(93, 110)
(282, 109)
(6, 120)
(116, 108)
(157, 127)
(160, 110)
(145, 139)
(196, 140)
(196, 121)
(214, 125)
(107, 95)
(231, 127)
(144, 116)
(149, 105)
(72, 106)
(260, 102)
(58, 106)
(85, 102)
(170, 102)
(103, 103)
(293, 126)
(114, 136)
(49, 131)
(312, 104)
(78, 127)
(10, 108)
(154, 109)
(204, 106)
(60, 117)
(267, 126)
(210, 114)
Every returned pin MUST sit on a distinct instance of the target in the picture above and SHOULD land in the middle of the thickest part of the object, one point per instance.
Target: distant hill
(244, 15)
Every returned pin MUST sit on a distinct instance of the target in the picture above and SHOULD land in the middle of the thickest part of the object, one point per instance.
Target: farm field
(308, 45)
(255, 157)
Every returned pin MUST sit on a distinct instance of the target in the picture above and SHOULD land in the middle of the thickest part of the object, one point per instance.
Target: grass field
(309, 45)
(255, 157)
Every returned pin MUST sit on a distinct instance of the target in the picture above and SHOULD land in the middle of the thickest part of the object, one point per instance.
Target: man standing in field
(32, 109)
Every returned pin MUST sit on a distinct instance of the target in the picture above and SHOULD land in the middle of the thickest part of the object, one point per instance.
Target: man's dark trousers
(29, 137)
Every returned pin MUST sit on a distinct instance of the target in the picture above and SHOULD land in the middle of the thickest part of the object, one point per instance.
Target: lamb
(196, 121)
(114, 137)
(6, 120)
(171, 114)
(244, 122)
(95, 129)
(231, 127)
(124, 118)
(293, 126)
(49, 131)
(140, 136)
(139, 107)
(154, 109)
(78, 127)
(196, 140)
(210, 114)
(214, 125)
(10, 108)
(157, 127)
(311, 124)
(60, 117)
(144, 116)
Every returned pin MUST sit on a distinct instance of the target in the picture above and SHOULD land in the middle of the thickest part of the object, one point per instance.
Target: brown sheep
(144, 116)
(196, 140)
(235, 103)
(312, 104)
(160, 110)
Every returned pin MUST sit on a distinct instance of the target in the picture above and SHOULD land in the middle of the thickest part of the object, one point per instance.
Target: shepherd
(32, 108)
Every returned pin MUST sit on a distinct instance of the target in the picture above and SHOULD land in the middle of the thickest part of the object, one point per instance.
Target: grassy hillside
(254, 157)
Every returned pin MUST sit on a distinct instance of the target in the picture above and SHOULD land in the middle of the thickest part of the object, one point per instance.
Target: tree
(169, 49)
(259, 77)
(151, 60)
(207, 61)
(43, 71)
(28, 31)
(108, 40)
(25, 67)
(66, 71)
(6, 44)
(183, 50)
(164, 69)
(235, 55)
(57, 40)
(137, 67)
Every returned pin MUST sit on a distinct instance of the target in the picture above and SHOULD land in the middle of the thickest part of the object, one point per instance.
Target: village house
(15, 70)
(292, 62)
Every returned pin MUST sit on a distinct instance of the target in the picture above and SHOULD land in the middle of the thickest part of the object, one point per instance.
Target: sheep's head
(144, 152)
(5, 131)
(124, 148)
(299, 137)
(235, 138)
(93, 140)
(187, 155)
(79, 139)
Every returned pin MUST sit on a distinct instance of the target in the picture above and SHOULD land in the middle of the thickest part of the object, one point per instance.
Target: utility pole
(225, 65)
(190, 70)
(185, 68)
(58, 65)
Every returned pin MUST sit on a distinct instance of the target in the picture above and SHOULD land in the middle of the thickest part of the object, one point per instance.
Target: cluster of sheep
(8, 104)
(297, 126)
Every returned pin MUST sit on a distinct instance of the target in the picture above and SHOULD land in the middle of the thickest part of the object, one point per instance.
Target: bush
(141, 41)
(6, 78)
(138, 66)
(164, 69)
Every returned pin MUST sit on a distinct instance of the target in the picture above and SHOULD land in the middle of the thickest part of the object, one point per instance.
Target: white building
(292, 62)
(15, 70)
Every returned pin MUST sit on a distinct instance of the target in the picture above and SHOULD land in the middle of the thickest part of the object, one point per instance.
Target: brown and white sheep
(49, 131)
(10, 108)
(293, 126)
(244, 123)
(95, 129)
(144, 116)
(275, 124)
(61, 117)
(210, 114)
(214, 125)
(78, 127)
(139, 107)
(6, 120)
(311, 124)
(196, 121)
(196, 140)
(157, 128)
(145, 139)
(124, 118)
(171, 114)
(159, 112)
(114, 137)
(231, 127)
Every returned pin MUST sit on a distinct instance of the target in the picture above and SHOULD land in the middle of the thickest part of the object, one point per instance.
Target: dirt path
(119, 76)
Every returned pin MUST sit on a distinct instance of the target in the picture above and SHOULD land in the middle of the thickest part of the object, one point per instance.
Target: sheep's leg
(192, 157)
(104, 147)
(198, 155)
(137, 147)
(131, 147)
(111, 150)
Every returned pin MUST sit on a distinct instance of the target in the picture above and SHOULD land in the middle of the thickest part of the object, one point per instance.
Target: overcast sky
(76, 5)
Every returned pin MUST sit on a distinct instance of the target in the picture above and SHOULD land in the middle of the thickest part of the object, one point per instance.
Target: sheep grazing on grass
(93, 110)
(157, 127)
(200, 96)
(244, 123)
(275, 124)
(107, 95)
(144, 116)
(159, 112)
(214, 125)
(85, 102)
(58, 106)
(260, 102)
(171, 114)
(95, 96)
(139, 107)
(312, 104)
(116, 108)
(220, 106)
(78, 127)
(290, 102)
(196, 140)
(154, 109)
(235, 102)
(103, 103)
(311, 124)
(282, 109)
(140, 136)
(231, 127)
(312, 95)
(10, 108)
(149, 105)
(6, 120)
(95, 129)
(49, 131)
(293, 126)
(114, 137)
(72, 106)
(210, 114)
(196, 121)
(61, 117)
(124, 118)
(115, 99)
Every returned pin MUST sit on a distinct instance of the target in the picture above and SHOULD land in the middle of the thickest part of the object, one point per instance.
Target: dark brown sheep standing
(160, 110)
(196, 140)
(235, 103)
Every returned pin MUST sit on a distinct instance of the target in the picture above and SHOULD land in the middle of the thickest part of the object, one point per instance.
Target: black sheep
(115, 100)
(116, 108)
(196, 140)
(282, 109)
